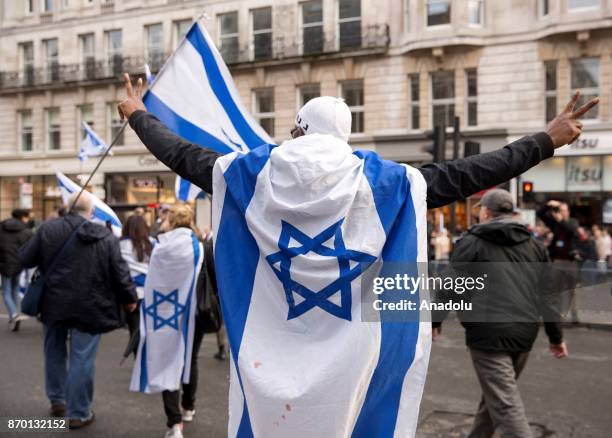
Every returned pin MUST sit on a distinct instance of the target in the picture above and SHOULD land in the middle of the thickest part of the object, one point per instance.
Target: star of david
(281, 265)
(153, 310)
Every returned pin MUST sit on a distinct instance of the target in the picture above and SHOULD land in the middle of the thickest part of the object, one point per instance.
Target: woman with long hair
(170, 338)
(136, 247)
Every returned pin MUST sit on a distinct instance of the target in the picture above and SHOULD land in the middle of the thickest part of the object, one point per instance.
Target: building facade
(503, 67)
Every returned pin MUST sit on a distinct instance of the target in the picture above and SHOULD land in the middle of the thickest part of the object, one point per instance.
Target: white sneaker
(188, 415)
(175, 432)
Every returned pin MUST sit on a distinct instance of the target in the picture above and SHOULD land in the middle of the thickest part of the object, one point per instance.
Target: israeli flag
(148, 75)
(138, 270)
(167, 313)
(194, 95)
(91, 145)
(295, 228)
(102, 212)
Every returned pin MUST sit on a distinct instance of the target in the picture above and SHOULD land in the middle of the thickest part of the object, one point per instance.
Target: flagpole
(106, 152)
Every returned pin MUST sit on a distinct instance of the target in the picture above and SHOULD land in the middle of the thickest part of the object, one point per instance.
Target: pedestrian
(513, 303)
(14, 232)
(170, 331)
(305, 206)
(442, 245)
(136, 247)
(86, 283)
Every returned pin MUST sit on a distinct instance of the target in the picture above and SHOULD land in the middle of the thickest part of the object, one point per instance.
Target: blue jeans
(10, 294)
(70, 381)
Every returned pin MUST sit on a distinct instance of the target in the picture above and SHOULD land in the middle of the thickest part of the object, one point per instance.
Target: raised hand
(566, 128)
(133, 102)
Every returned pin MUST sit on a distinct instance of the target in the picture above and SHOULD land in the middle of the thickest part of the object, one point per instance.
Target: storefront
(579, 174)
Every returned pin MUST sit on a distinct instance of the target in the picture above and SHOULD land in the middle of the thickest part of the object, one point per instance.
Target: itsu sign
(588, 145)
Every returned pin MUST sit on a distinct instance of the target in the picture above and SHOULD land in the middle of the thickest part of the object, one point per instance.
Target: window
(155, 46)
(25, 127)
(86, 115)
(51, 59)
(88, 55)
(181, 28)
(577, 4)
(228, 36)
(261, 20)
(114, 51)
(307, 92)
(29, 7)
(312, 26)
(53, 129)
(415, 113)
(543, 8)
(352, 93)
(550, 89)
(349, 23)
(26, 52)
(471, 79)
(443, 98)
(585, 77)
(47, 5)
(476, 12)
(438, 12)
(264, 109)
(114, 124)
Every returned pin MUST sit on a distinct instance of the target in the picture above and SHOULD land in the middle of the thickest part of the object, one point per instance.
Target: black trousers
(171, 399)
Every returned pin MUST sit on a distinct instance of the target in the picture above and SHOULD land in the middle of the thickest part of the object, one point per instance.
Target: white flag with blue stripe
(167, 313)
(102, 212)
(195, 96)
(295, 227)
(91, 145)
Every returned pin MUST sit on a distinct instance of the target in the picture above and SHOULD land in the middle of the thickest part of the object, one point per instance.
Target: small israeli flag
(167, 313)
(195, 96)
(102, 212)
(91, 145)
(150, 77)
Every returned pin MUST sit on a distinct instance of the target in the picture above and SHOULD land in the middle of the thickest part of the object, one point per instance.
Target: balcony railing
(316, 45)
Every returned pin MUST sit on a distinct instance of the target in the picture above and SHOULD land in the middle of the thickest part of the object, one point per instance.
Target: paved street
(564, 398)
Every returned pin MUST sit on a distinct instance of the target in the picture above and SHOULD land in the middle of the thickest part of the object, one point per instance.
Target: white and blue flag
(150, 77)
(295, 227)
(102, 212)
(91, 145)
(167, 313)
(195, 96)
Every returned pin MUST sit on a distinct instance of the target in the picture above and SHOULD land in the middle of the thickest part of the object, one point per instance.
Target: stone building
(503, 67)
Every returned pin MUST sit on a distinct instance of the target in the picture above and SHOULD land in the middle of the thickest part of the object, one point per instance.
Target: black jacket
(516, 287)
(446, 182)
(13, 234)
(565, 234)
(89, 283)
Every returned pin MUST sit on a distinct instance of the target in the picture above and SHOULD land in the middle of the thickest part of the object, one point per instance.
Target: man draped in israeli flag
(167, 313)
(296, 225)
(102, 212)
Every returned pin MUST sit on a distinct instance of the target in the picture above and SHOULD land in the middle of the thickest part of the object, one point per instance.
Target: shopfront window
(137, 189)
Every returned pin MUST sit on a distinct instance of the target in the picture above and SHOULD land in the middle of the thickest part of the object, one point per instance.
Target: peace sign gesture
(566, 128)
(134, 98)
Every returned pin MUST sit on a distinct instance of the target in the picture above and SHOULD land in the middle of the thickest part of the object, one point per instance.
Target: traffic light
(438, 148)
(528, 195)
(471, 148)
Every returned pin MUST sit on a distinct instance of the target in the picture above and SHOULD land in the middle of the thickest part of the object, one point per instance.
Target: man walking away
(500, 348)
(13, 234)
(83, 293)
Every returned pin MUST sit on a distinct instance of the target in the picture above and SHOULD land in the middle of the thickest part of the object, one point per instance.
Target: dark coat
(515, 289)
(87, 286)
(13, 234)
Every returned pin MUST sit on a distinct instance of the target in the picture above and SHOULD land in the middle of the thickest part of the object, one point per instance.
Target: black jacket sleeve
(123, 287)
(192, 162)
(458, 179)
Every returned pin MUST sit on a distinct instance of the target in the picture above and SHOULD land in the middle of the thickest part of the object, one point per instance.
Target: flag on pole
(102, 212)
(91, 145)
(307, 221)
(195, 96)
(148, 75)
(167, 313)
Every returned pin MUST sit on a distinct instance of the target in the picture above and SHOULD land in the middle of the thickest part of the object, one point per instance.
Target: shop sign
(584, 174)
(588, 145)
(25, 195)
(147, 160)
